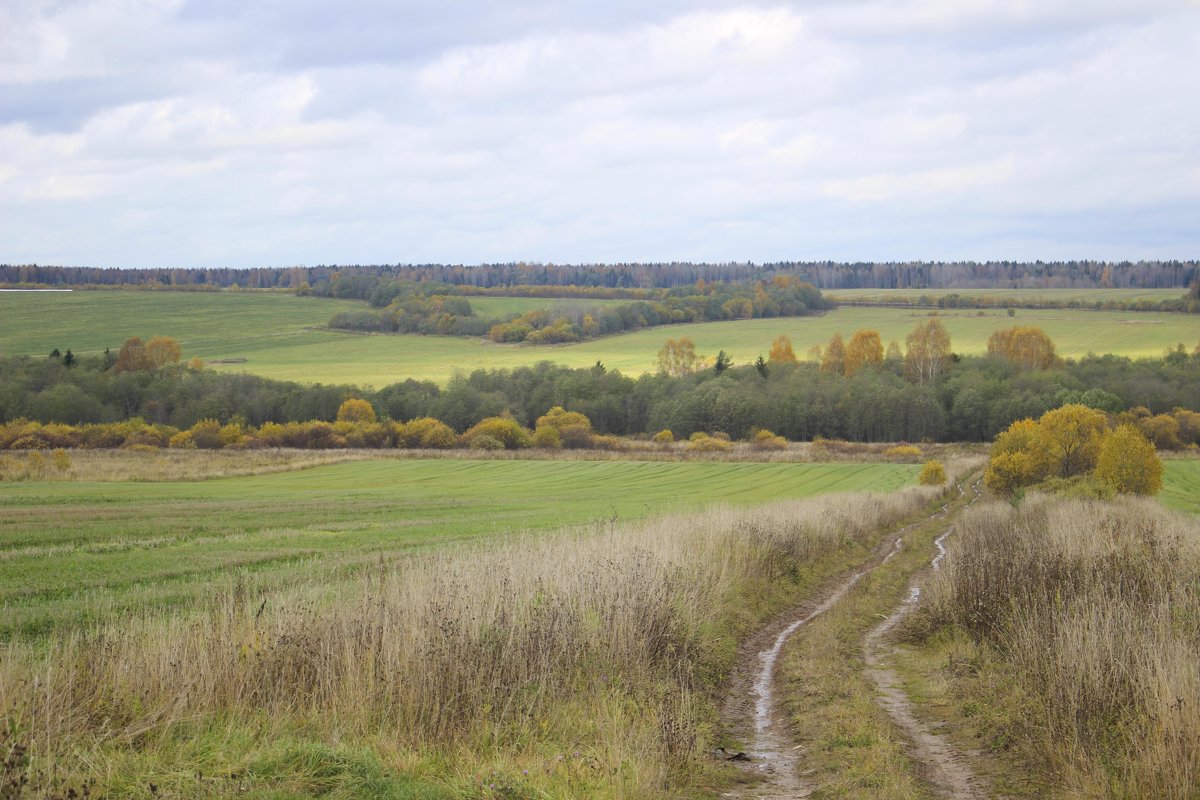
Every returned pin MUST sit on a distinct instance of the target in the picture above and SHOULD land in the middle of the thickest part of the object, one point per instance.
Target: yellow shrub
(932, 474)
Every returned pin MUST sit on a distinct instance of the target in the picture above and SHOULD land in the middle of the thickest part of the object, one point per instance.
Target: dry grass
(1090, 613)
(611, 642)
(190, 465)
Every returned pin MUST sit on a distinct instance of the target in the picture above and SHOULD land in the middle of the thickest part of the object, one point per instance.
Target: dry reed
(1093, 610)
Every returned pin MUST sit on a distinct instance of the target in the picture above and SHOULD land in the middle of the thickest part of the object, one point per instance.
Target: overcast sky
(241, 133)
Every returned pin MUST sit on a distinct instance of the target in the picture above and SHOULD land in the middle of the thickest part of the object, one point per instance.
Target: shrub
(425, 432)
(547, 438)
(903, 451)
(703, 443)
(206, 434)
(483, 441)
(62, 461)
(505, 429)
(182, 440)
(1128, 463)
(766, 440)
(932, 474)
(663, 437)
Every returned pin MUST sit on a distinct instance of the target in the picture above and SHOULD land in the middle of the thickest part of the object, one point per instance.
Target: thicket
(408, 307)
(973, 399)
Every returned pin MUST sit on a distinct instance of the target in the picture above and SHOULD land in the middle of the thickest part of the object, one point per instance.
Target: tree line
(409, 307)
(824, 275)
(927, 393)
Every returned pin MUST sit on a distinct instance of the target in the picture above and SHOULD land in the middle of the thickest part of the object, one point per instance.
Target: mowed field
(71, 553)
(282, 336)
(1181, 485)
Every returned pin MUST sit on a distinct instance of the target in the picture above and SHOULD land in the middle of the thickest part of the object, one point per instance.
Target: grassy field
(1181, 485)
(1025, 295)
(73, 552)
(280, 336)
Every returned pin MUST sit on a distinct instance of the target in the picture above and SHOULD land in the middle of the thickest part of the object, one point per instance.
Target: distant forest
(823, 275)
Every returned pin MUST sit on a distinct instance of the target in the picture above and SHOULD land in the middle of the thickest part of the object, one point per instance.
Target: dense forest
(971, 399)
(823, 275)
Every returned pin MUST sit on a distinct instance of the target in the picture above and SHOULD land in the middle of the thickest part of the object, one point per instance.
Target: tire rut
(753, 705)
(941, 765)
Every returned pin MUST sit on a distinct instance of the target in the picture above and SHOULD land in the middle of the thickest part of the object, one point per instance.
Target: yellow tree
(781, 351)
(678, 357)
(928, 351)
(132, 357)
(1128, 462)
(356, 410)
(833, 358)
(1027, 347)
(1067, 440)
(865, 347)
(163, 350)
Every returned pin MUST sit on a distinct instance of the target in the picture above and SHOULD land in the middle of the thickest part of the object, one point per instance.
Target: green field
(70, 552)
(1023, 295)
(1181, 485)
(281, 336)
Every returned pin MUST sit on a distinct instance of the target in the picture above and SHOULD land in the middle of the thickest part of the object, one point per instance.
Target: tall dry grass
(189, 465)
(1092, 611)
(618, 638)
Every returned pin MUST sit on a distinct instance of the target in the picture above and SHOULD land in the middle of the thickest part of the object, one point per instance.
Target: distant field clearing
(282, 336)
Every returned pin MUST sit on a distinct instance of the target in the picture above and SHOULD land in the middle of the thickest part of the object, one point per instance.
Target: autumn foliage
(1073, 442)
(1027, 347)
(928, 352)
(781, 351)
(678, 357)
(865, 348)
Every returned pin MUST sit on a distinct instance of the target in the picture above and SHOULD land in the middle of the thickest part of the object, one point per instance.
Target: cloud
(137, 132)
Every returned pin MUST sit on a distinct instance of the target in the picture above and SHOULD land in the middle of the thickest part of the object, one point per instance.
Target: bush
(547, 438)
(932, 474)
(1128, 463)
(426, 433)
(483, 441)
(766, 440)
(703, 443)
(905, 451)
(505, 429)
(663, 437)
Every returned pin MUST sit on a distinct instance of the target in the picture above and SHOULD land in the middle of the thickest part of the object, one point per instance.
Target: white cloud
(881, 129)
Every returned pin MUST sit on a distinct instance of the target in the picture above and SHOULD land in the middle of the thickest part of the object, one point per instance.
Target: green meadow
(1181, 485)
(71, 553)
(1023, 295)
(282, 336)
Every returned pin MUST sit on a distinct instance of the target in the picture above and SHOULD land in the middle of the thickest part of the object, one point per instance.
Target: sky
(192, 133)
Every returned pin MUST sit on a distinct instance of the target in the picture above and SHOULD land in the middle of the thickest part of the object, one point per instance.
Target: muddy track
(941, 765)
(753, 709)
